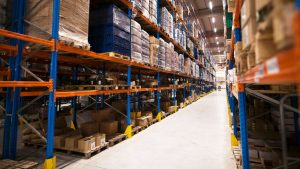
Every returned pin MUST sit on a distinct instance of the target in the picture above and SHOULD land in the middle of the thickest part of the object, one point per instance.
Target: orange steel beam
(27, 38)
(13, 84)
(236, 18)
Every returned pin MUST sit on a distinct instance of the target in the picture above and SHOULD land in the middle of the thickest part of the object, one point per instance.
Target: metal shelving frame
(13, 85)
(282, 68)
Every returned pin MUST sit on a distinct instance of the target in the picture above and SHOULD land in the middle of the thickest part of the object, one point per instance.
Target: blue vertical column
(243, 126)
(50, 159)
(139, 93)
(174, 91)
(97, 96)
(128, 95)
(158, 92)
(74, 99)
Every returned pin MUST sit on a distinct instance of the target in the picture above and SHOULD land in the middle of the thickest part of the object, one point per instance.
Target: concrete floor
(197, 137)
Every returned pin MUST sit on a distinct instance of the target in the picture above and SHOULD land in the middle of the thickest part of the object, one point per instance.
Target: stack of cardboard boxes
(154, 47)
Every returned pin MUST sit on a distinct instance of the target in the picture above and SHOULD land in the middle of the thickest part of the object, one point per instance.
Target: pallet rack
(15, 52)
(283, 68)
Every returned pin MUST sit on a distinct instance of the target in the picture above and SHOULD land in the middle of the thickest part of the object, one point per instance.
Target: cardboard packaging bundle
(73, 21)
(154, 48)
(283, 17)
(166, 21)
(231, 5)
(169, 55)
(136, 42)
(187, 66)
(248, 23)
(181, 63)
(145, 47)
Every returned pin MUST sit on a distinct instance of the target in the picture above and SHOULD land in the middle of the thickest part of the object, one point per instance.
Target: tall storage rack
(15, 52)
(283, 68)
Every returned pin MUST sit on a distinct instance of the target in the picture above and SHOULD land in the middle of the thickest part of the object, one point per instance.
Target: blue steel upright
(174, 91)
(243, 126)
(74, 99)
(53, 77)
(128, 95)
(158, 92)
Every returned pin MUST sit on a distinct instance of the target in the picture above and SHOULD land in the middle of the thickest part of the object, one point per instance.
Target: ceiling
(205, 16)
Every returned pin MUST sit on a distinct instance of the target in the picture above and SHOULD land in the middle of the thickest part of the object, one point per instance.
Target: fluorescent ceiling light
(216, 38)
(213, 19)
(215, 29)
(217, 42)
(210, 5)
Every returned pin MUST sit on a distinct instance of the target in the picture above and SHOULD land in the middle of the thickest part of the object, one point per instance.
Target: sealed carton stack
(154, 50)
(175, 62)
(145, 47)
(248, 23)
(169, 55)
(166, 21)
(187, 66)
(145, 8)
(162, 53)
(73, 21)
(152, 10)
(136, 42)
(181, 63)
(111, 34)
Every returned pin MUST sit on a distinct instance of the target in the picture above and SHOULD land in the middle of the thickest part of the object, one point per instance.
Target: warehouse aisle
(197, 137)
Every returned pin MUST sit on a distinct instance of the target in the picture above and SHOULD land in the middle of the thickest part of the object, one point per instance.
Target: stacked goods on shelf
(145, 47)
(154, 50)
(197, 71)
(283, 17)
(138, 4)
(166, 21)
(169, 55)
(152, 10)
(231, 6)
(3, 13)
(145, 8)
(73, 21)
(179, 10)
(190, 46)
(136, 42)
(248, 23)
(187, 66)
(181, 63)
(175, 62)
(162, 53)
(110, 34)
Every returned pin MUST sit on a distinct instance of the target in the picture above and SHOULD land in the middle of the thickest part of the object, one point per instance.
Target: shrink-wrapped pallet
(73, 20)
(112, 32)
(145, 8)
(166, 21)
(136, 42)
(181, 63)
(153, 10)
(145, 47)
(162, 54)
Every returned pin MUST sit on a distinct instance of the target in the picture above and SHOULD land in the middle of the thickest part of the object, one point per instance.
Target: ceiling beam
(202, 13)
(212, 34)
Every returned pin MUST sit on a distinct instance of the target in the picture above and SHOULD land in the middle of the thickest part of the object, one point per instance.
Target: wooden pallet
(68, 42)
(117, 139)
(86, 154)
(113, 54)
(23, 164)
(136, 130)
(135, 87)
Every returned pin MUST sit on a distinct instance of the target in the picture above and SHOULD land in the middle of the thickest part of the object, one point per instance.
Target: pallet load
(169, 55)
(248, 23)
(136, 42)
(162, 53)
(175, 62)
(152, 10)
(145, 47)
(181, 63)
(110, 34)
(138, 4)
(145, 8)
(187, 66)
(179, 9)
(73, 21)
(154, 49)
(166, 21)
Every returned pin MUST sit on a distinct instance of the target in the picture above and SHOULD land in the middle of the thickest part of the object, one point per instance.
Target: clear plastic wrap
(145, 8)
(153, 10)
(136, 56)
(154, 47)
(162, 53)
(166, 21)
(135, 24)
(73, 25)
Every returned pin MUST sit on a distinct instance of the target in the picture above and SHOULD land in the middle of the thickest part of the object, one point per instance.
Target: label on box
(272, 66)
(93, 145)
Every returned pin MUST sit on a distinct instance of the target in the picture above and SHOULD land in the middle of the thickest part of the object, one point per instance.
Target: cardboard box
(231, 5)
(247, 12)
(99, 139)
(109, 128)
(87, 144)
(102, 115)
(260, 4)
(89, 128)
(248, 33)
(264, 46)
(59, 141)
(142, 121)
(71, 142)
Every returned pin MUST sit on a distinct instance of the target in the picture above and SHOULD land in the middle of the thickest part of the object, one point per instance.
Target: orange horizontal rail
(281, 68)
(27, 38)
(29, 84)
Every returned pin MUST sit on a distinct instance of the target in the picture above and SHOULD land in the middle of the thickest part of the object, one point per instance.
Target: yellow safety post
(50, 163)
(128, 131)
(158, 117)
